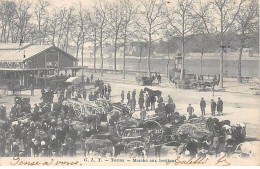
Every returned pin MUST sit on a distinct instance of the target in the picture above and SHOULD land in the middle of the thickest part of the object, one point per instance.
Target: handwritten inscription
(17, 161)
(22, 162)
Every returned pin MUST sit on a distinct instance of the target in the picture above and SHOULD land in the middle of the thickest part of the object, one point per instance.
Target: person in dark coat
(157, 147)
(91, 77)
(152, 100)
(109, 89)
(192, 148)
(169, 109)
(128, 97)
(170, 100)
(36, 109)
(133, 104)
(87, 80)
(147, 102)
(3, 112)
(190, 109)
(141, 102)
(134, 93)
(159, 78)
(213, 107)
(141, 94)
(32, 90)
(220, 106)
(122, 97)
(90, 97)
(202, 106)
(84, 94)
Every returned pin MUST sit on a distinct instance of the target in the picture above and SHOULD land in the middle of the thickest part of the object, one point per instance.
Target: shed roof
(13, 46)
(20, 55)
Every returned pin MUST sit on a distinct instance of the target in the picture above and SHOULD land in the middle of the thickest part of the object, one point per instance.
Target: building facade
(28, 64)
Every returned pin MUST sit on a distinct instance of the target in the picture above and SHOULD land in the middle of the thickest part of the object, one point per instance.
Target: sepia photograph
(129, 83)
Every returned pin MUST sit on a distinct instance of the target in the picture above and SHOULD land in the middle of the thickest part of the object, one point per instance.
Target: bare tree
(53, 26)
(115, 22)
(93, 28)
(23, 16)
(7, 12)
(79, 28)
(69, 22)
(203, 29)
(41, 18)
(129, 14)
(101, 14)
(182, 21)
(227, 11)
(150, 23)
(246, 23)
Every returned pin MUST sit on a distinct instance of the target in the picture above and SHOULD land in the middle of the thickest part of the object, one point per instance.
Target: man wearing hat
(220, 106)
(202, 106)
(213, 107)
(190, 109)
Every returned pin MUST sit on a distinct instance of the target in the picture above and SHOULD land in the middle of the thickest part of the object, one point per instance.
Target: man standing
(32, 90)
(122, 97)
(141, 102)
(142, 114)
(170, 99)
(152, 100)
(220, 106)
(109, 90)
(133, 104)
(160, 100)
(3, 112)
(159, 78)
(190, 109)
(128, 98)
(91, 77)
(134, 93)
(202, 106)
(147, 102)
(213, 107)
(141, 94)
(84, 94)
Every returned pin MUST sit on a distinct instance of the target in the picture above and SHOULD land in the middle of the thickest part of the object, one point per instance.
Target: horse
(151, 92)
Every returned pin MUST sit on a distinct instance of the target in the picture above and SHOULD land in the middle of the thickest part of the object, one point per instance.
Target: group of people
(214, 106)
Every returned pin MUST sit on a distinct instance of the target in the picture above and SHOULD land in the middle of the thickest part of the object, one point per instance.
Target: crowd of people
(49, 128)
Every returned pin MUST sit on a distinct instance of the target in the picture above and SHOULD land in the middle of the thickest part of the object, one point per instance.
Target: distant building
(25, 64)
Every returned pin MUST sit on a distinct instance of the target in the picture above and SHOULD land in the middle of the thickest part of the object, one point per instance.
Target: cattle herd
(97, 126)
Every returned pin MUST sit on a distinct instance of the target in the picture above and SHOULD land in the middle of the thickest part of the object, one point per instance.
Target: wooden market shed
(27, 64)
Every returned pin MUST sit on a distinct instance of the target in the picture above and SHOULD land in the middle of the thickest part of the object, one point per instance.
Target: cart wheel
(152, 127)
(194, 86)
(133, 146)
(99, 110)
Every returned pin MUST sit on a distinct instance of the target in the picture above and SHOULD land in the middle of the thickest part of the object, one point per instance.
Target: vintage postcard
(129, 82)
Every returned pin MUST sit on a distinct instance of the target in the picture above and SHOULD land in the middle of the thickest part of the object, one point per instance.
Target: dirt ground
(239, 105)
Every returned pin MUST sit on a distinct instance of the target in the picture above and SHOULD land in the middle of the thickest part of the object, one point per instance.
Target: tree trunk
(140, 58)
(239, 75)
(167, 69)
(222, 51)
(201, 57)
(95, 49)
(182, 50)
(115, 50)
(101, 51)
(77, 54)
(124, 55)
(149, 55)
